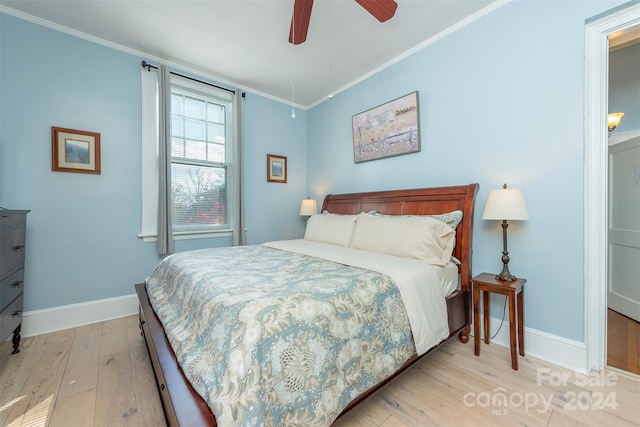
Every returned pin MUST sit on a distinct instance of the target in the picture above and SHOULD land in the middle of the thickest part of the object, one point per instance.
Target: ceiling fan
(382, 10)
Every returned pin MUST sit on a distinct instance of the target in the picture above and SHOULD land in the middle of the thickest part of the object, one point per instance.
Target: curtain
(165, 228)
(238, 223)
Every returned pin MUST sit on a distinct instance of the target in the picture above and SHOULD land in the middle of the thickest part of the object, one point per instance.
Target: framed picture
(276, 168)
(75, 151)
(390, 129)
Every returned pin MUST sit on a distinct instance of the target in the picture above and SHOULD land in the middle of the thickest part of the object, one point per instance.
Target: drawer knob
(17, 313)
(17, 283)
(19, 248)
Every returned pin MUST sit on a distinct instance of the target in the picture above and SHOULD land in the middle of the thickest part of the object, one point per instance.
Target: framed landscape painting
(276, 168)
(75, 151)
(390, 129)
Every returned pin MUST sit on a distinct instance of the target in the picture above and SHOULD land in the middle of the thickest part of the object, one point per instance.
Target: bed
(184, 406)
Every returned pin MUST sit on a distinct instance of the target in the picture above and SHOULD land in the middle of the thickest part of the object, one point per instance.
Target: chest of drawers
(13, 226)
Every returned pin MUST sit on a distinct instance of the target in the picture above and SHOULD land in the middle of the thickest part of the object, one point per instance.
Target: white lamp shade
(308, 207)
(505, 204)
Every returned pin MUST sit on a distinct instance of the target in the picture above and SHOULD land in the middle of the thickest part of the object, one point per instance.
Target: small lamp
(613, 120)
(505, 204)
(308, 207)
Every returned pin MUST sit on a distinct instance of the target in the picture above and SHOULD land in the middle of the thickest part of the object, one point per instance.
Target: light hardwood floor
(100, 375)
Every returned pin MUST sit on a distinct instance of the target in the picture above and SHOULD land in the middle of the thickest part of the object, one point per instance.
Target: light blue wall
(82, 242)
(273, 131)
(624, 86)
(501, 100)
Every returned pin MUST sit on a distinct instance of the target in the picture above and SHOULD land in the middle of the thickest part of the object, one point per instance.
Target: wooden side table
(488, 283)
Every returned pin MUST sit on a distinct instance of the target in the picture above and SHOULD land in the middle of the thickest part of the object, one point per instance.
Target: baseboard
(39, 322)
(558, 350)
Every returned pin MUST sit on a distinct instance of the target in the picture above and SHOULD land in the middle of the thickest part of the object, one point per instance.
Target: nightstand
(488, 283)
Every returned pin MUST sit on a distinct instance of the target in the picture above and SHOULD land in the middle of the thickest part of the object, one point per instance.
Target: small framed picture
(75, 151)
(276, 168)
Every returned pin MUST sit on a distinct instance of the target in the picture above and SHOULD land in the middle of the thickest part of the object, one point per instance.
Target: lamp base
(505, 275)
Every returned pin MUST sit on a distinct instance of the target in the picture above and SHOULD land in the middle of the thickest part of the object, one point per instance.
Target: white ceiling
(244, 42)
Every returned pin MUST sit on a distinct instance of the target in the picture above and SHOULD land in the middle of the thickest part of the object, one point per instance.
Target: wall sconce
(505, 205)
(308, 207)
(613, 120)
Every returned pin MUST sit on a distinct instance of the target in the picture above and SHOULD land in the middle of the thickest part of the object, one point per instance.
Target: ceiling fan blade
(382, 10)
(300, 21)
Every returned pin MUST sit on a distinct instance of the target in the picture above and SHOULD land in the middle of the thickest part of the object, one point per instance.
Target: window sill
(188, 235)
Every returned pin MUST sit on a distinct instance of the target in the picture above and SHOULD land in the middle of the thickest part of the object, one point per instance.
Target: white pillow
(330, 228)
(419, 237)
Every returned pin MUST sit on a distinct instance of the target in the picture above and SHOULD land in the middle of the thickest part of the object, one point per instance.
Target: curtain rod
(148, 66)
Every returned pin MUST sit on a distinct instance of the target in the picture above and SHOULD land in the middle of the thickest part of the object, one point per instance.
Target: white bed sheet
(423, 286)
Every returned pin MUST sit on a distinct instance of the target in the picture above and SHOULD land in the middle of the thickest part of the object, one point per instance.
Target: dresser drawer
(12, 236)
(11, 317)
(10, 287)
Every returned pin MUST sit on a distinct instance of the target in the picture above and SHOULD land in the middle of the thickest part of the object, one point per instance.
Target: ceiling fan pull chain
(293, 99)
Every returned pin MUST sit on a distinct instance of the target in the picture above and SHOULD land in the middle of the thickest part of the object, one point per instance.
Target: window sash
(200, 199)
(193, 200)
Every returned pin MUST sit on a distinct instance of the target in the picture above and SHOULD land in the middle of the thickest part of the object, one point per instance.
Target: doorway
(596, 178)
(623, 264)
(623, 289)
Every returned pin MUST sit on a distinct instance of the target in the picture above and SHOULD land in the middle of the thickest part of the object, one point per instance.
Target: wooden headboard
(418, 201)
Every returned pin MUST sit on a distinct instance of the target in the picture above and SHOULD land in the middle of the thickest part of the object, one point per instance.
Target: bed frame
(182, 404)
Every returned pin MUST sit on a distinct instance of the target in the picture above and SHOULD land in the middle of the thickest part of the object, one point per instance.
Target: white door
(623, 293)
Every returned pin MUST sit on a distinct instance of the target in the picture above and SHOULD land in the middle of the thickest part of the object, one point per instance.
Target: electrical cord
(504, 310)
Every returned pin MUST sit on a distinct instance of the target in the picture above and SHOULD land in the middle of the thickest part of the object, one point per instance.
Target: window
(202, 158)
(199, 161)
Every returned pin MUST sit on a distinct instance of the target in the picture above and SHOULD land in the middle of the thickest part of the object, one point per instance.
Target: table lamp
(308, 207)
(505, 205)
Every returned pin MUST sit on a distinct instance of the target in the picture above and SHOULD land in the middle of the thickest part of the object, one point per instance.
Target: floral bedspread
(277, 338)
